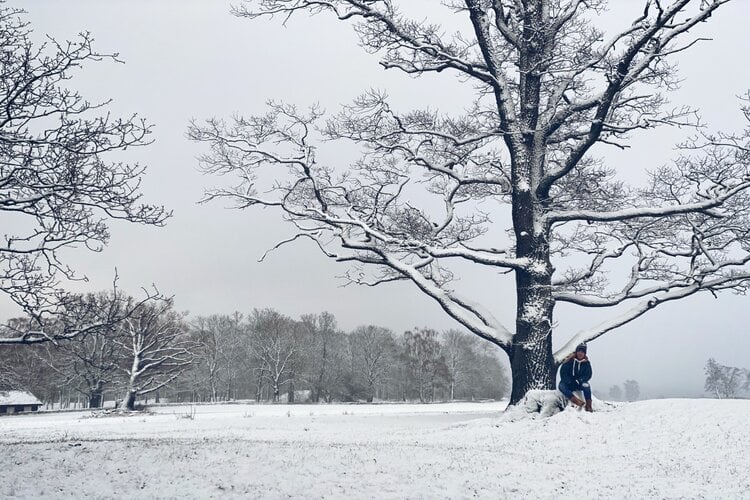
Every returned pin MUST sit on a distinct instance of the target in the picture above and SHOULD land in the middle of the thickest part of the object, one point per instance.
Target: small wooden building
(18, 401)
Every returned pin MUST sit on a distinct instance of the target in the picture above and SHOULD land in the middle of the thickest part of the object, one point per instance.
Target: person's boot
(576, 401)
(588, 405)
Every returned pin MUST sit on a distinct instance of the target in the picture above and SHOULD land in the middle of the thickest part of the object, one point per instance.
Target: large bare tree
(430, 190)
(57, 187)
(89, 362)
(157, 348)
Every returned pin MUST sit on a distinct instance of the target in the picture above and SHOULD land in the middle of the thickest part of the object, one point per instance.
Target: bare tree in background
(217, 347)
(57, 189)
(158, 349)
(632, 390)
(208, 351)
(474, 370)
(275, 342)
(323, 353)
(724, 381)
(425, 362)
(456, 351)
(615, 393)
(552, 91)
(90, 361)
(373, 349)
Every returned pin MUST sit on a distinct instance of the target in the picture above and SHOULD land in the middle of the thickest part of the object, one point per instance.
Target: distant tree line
(726, 381)
(630, 391)
(160, 354)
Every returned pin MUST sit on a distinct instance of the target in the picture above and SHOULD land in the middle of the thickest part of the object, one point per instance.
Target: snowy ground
(650, 449)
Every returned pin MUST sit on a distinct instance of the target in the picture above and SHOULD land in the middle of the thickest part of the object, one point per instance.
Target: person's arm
(585, 372)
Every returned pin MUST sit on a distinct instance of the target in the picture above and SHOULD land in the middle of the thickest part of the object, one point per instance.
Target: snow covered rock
(544, 402)
(550, 402)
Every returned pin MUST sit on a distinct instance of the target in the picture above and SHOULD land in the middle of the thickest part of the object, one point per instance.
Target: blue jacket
(575, 372)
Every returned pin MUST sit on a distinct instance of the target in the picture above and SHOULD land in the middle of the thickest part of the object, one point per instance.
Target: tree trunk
(370, 391)
(531, 360)
(531, 369)
(95, 399)
(259, 388)
(129, 402)
(318, 389)
(420, 383)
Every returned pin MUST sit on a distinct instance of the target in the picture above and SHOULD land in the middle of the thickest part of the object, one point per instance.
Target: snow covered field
(650, 449)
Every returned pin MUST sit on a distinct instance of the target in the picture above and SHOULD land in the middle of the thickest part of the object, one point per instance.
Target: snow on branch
(655, 300)
(579, 123)
(366, 214)
(706, 183)
(374, 202)
(55, 177)
(690, 234)
(411, 46)
(68, 317)
(705, 206)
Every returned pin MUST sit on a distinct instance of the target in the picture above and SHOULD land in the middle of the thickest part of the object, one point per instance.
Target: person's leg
(586, 388)
(567, 392)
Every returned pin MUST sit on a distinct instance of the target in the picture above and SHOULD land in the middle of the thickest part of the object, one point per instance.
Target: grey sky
(190, 59)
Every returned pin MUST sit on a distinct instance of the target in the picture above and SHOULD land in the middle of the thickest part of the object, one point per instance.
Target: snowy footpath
(650, 449)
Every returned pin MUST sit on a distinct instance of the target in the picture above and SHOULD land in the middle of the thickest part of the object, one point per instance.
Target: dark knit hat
(581, 347)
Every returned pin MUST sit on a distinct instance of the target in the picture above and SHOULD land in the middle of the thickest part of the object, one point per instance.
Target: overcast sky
(191, 59)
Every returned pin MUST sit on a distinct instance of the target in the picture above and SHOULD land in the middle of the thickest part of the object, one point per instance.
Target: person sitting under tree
(575, 374)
